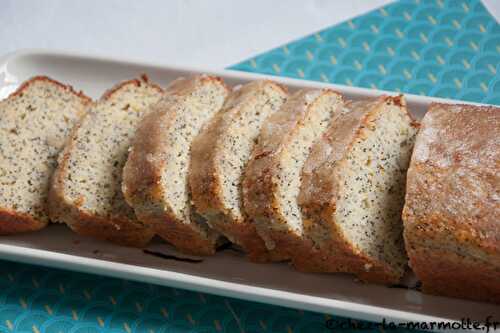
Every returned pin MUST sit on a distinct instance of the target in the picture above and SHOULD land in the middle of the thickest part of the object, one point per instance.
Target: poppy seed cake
(218, 158)
(36, 120)
(352, 192)
(156, 173)
(86, 188)
(452, 210)
(272, 177)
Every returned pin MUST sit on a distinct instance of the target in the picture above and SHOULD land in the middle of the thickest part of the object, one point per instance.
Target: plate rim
(204, 284)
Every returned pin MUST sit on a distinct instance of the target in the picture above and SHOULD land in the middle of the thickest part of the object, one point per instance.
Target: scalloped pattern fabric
(42, 300)
(441, 48)
(437, 48)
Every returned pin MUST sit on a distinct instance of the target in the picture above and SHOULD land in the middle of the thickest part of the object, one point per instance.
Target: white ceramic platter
(226, 273)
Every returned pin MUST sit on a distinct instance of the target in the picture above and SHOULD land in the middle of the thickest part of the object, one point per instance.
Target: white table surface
(206, 33)
(212, 33)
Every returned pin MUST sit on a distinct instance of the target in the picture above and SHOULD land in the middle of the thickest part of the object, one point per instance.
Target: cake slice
(86, 187)
(352, 193)
(219, 155)
(272, 177)
(36, 120)
(452, 210)
(156, 174)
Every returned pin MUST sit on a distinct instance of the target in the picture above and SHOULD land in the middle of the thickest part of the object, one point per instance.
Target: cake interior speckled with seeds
(36, 121)
(354, 194)
(308, 178)
(220, 154)
(86, 192)
(156, 173)
(273, 173)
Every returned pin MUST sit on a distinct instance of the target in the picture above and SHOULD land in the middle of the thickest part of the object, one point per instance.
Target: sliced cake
(218, 158)
(156, 173)
(452, 210)
(86, 188)
(35, 123)
(272, 176)
(352, 193)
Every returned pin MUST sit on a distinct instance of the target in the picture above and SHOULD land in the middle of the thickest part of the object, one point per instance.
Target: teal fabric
(449, 49)
(438, 48)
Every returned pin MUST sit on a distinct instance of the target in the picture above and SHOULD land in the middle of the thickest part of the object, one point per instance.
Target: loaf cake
(352, 193)
(272, 177)
(452, 210)
(36, 120)
(156, 173)
(219, 155)
(86, 188)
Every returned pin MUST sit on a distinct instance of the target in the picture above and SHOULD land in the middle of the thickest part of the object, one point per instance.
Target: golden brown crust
(142, 177)
(247, 237)
(319, 189)
(446, 273)
(181, 235)
(206, 187)
(253, 244)
(342, 258)
(12, 222)
(144, 79)
(25, 84)
(181, 86)
(119, 230)
(452, 230)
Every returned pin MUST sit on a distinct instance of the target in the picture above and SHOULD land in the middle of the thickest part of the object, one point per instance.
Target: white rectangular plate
(226, 273)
